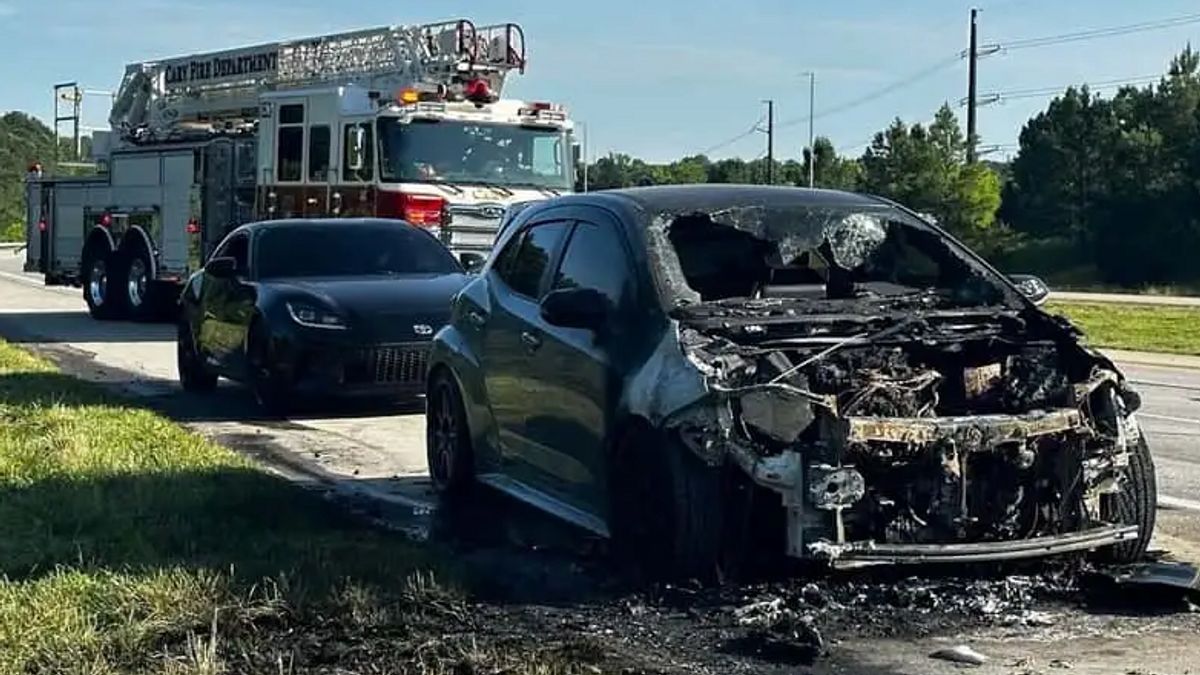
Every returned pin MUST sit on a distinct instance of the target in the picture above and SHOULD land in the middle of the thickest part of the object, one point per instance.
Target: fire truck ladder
(158, 99)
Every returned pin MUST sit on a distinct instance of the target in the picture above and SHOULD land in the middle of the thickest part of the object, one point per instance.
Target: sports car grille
(392, 364)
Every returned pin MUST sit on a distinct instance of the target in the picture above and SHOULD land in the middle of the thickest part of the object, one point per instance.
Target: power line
(728, 142)
(878, 93)
(1113, 31)
(998, 96)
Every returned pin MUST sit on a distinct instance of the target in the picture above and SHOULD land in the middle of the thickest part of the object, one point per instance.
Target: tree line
(1101, 189)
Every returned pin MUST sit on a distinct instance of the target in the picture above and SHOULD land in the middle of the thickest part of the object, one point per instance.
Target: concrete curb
(1121, 356)
(1124, 299)
(11, 245)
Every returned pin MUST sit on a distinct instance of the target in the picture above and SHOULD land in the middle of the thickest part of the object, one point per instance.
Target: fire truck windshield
(457, 151)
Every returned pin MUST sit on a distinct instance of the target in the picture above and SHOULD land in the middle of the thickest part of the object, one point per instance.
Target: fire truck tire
(97, 267)
(138, 290)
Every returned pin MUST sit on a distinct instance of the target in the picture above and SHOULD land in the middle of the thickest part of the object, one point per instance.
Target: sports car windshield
(471, 152)
(346, 250)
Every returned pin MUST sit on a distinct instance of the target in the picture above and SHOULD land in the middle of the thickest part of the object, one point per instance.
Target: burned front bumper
(823, 499)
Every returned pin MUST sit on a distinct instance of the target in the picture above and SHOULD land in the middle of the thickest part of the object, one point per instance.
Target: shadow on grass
(261, 525)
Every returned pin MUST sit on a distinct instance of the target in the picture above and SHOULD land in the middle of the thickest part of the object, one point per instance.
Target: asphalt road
(379, 455)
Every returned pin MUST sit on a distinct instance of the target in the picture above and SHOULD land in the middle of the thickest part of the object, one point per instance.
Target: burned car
(686, 368)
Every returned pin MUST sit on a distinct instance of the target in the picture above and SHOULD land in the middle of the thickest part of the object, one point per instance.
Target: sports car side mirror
(471, 262)
(576, 308)
(221, 268)
(1031, 287)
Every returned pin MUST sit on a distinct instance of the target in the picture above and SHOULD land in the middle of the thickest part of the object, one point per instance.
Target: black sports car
(317, 307)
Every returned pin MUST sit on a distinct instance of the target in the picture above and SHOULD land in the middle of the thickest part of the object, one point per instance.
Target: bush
(14, 231)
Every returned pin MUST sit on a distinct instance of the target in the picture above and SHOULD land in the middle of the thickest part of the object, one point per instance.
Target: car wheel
(138, 290)
(97, 270)
(666, 510)
(269, 391)
(193, 374)
(1135, 504)
(447, 438)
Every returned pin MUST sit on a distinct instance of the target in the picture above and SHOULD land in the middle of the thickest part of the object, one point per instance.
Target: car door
(575, 374)
(226, 305)
(515, 283)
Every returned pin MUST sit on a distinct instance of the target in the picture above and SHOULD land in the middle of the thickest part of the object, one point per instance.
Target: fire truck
(402, 122)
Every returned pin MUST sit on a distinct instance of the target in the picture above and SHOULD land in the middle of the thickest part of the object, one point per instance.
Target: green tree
(830, 171)
(925, 168)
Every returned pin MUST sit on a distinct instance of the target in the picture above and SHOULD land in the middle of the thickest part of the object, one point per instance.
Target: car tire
(666, 510)
(194, 376)
(270, 392)
(448, 448)
(1135, 504)
(97, 276)
(138, 291)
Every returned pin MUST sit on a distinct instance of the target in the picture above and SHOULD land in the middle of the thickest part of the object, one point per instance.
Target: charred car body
(876, 384)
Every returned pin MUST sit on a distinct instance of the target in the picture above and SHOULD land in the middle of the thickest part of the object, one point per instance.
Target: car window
(595, 258)
(320, 250)
(523, 263)
(238, 248)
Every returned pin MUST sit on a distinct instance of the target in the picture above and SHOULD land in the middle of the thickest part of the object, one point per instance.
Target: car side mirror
(576, 308)
(221, 268)
(1031, 287)
(472, 262)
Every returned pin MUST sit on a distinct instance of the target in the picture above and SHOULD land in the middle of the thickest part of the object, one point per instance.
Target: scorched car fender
(667, 383)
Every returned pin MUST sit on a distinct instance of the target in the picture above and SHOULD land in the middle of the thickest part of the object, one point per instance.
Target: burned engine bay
(902, 405)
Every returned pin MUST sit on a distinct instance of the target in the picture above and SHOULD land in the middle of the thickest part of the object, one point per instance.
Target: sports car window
(595, 258)
(524, 261)
(345, 250)
(236, 247)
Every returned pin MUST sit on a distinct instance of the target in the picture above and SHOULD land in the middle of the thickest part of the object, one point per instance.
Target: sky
(657, 79)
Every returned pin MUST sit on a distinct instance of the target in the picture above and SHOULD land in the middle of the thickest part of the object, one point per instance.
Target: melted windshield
(819, 254)
(461, 152)
(344, 250)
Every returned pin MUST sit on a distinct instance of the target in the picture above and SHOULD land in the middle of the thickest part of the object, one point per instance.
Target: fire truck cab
(403, 122)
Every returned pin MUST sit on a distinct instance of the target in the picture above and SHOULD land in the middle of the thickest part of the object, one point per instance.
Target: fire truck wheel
(98, 290)
(138, 290)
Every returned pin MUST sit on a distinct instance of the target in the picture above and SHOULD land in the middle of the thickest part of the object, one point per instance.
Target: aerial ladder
(219, 92)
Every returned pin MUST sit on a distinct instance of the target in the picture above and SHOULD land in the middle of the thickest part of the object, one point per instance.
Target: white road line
(1167, 418)
(1165, 385)
(1178, 503)
(36, 283)
(40, 310)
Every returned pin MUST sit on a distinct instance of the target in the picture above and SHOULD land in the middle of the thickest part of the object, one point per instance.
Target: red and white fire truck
(401, 122)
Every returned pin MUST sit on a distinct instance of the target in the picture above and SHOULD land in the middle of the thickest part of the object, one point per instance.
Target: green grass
(1146, 328)
(12, 232)
(128, 544)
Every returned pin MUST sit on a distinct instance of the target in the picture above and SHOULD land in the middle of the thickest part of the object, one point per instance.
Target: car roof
(283, 223)
(643, 203)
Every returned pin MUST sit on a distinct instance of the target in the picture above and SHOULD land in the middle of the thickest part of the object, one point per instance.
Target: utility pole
(585, 157)
(812, 151)
(770, 141)
(972, 60)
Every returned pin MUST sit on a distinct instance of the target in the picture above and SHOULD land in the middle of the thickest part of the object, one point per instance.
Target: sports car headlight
(307, 315)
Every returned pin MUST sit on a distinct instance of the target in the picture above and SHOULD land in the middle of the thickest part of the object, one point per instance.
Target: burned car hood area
(899, 395)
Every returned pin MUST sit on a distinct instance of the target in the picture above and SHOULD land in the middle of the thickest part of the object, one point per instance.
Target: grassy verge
(1147, 328)
(128, 544)
(12, 232)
